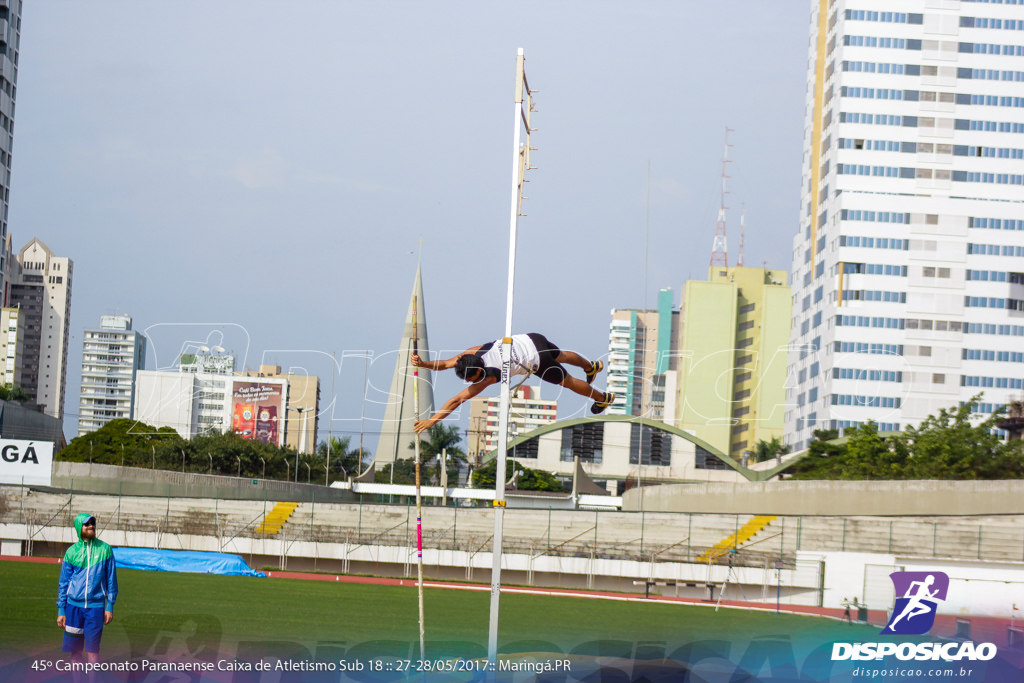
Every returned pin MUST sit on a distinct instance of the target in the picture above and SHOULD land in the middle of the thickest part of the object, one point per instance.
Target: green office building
(732, 356)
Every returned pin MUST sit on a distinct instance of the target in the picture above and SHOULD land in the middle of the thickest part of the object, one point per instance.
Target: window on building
(585, 441)
(706, 461)
(527, 449)
(653, 444)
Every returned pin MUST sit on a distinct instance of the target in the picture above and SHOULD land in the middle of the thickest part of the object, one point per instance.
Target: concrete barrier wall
(883, 498)
(140, 481)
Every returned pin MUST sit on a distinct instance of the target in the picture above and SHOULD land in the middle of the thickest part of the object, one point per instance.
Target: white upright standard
(520, 164)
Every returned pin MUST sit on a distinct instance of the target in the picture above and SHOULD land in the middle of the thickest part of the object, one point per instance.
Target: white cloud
(265, 169)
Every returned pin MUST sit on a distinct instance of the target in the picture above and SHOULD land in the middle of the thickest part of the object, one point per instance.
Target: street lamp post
(302, 437)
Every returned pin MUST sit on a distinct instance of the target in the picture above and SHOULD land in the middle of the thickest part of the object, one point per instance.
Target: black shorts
(549, 370)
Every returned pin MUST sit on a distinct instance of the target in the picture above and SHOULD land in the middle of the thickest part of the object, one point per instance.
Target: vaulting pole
(520, 162)
(419, 498)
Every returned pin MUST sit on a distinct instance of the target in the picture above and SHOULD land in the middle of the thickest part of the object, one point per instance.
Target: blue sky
(267, 168)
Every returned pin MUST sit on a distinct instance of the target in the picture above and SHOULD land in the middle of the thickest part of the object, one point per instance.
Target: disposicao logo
(917, 598)
(914, 613)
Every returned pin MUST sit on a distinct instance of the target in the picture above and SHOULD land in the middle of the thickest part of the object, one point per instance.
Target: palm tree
(345, 460)
(439, 438)
(13, 392)
(766, 450)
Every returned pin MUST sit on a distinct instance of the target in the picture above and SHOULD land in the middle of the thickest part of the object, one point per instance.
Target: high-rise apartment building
(38, 284)
(527, 411)
(10, 44)
(14, 343)
(908, 263)
(733, 349)
(111, 358)
(641, 346)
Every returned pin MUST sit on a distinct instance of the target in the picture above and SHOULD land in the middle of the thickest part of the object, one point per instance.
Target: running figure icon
(914, 612)
(914, 606)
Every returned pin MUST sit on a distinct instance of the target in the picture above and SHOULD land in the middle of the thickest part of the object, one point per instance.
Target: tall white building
(908, 263)
(38, 284)
(641, 352)
(112, 356)
(10, 45)
(528, 411)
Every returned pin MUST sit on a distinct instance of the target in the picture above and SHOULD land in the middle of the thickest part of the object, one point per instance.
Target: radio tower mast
(743, 216)
(720, 249)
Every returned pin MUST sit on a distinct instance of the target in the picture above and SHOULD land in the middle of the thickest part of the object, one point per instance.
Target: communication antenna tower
(743, 217)
(720, 248)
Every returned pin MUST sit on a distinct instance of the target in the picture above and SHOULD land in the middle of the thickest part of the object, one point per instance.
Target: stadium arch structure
(610, 448)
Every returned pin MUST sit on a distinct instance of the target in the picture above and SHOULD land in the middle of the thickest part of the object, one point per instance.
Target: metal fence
(651, 537)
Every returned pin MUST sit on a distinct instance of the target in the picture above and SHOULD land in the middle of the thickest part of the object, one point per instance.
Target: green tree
(345, 461)
(405, 472)
(130, 440)
(869, 455)
(766, 450)
(136, 444)
(13, 392)
(432, 443)
(529, 480)
(948, 445)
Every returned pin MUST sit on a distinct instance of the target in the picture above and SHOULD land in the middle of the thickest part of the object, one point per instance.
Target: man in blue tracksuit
(87, 590)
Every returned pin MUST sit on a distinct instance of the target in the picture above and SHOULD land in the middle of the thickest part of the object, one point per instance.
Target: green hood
(80, 520)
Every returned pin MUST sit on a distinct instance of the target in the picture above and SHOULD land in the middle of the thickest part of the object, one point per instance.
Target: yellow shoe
(599, 406)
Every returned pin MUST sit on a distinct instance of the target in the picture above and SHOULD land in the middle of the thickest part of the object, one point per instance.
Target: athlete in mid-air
(531, 354)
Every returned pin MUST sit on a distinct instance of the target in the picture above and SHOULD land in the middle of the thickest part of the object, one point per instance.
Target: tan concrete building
(733, 351)
(39, 283)
(527, 412)
(302, 407)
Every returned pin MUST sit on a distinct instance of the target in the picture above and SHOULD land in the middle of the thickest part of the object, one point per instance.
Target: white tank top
(525, 358)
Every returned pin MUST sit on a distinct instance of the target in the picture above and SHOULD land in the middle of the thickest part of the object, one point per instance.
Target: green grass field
(244, 609)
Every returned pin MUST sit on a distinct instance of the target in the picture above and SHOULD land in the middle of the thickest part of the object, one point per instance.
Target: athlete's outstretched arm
(439, 364)
(454, 402)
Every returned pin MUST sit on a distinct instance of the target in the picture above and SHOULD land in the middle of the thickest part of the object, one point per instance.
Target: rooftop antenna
(743, 216)
(720, 248)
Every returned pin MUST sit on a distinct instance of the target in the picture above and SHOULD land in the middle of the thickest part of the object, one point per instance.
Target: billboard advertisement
(25, 462)
(257, 408)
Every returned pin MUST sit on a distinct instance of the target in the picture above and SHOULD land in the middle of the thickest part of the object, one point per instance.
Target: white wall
(164, 399)
(975, 588)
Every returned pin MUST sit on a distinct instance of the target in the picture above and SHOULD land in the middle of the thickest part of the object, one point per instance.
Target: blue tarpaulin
(182, 561)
